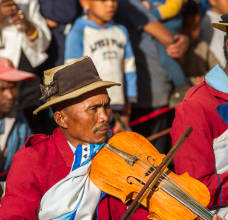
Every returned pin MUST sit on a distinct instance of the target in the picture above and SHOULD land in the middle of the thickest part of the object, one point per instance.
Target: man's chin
(7, 111)
(101, 139)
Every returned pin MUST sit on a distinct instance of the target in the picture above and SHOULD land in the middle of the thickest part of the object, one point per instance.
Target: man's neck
(1, 116)
(9, 114)
(74, 142)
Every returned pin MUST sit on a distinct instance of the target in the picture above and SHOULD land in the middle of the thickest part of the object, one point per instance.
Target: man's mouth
(8, 105)
(102, 129)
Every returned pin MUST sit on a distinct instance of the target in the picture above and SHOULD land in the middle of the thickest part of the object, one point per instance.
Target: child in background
(169, 12)
(108, 45)
(198, 59)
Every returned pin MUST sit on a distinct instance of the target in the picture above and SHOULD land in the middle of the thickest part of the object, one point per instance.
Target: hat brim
(14, 75)
(76, 93)
(220, 26)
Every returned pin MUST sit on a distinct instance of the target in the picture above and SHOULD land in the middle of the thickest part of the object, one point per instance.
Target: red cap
(9, 73)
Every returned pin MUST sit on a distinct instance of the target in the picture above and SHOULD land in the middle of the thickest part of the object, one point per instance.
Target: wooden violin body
(123, 169)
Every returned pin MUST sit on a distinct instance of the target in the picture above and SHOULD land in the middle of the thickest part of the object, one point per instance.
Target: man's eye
(107, 105)
(93, 108)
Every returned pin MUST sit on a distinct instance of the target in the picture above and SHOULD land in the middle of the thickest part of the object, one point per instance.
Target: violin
(123, 166)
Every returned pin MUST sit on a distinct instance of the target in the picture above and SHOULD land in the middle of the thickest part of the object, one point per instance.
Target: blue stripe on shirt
(128, 52)
(77, 157)
(74, 41)
(131, 85)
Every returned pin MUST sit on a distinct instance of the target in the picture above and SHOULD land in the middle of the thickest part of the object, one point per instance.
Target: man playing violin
(50, 174)
(204, 153)
(49, 177)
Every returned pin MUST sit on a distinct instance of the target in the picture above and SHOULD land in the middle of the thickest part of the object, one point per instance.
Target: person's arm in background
(138, 17)
(36, 35)
(9, 9)
(169, 9)
(30, 22)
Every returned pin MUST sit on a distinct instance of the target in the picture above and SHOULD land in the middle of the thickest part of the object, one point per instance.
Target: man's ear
(60, 118)
(84, 4)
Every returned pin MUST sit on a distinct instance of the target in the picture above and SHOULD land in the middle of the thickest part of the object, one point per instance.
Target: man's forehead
(97, 93)
(100, 96)
(94, 99)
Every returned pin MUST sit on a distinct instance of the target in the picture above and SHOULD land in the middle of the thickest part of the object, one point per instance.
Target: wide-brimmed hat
(11, 74)
(223, 24)
(70, 81)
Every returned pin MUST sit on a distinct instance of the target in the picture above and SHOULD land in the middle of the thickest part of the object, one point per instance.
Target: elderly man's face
(86, 120)
(8, 96)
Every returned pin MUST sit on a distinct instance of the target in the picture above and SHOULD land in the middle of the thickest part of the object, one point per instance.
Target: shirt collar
(66, 148)
(217, 79)
(71, 146)
(63, 147)
(95, 25)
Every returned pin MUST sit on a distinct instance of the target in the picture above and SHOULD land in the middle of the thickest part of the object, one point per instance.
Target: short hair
(192, 8)
(62, 105)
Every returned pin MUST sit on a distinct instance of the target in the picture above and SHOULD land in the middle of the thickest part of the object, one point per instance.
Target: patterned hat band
(224, 18)
(223, 24)
(48, 90)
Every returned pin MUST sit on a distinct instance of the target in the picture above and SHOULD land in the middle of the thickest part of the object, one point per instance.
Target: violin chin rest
(154, 216)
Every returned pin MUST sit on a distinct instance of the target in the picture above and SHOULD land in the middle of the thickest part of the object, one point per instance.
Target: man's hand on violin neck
(215, 217)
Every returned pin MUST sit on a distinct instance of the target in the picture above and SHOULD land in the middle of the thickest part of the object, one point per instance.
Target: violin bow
(152, 181)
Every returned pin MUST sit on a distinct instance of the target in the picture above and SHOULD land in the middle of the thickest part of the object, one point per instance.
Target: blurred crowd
(157, 49)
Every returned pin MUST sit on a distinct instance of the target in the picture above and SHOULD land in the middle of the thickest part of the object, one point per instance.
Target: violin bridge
(150, 170)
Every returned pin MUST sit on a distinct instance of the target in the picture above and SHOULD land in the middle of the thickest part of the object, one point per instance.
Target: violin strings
(186, 199)
(174, 190)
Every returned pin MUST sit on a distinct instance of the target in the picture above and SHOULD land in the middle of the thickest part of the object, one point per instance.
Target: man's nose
(104, 115)
(111, 2)
(8, 93)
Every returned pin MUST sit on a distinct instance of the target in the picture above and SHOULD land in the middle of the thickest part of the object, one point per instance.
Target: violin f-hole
(131, 180)
(151, 157)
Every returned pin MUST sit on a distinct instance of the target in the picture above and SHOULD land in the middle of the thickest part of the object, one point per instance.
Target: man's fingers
(173, 51)
(177, 49)
(215, 217)
(18, 18)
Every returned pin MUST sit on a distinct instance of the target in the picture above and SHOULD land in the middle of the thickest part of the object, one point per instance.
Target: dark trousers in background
(152, 126)
(29, 99)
